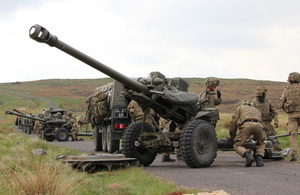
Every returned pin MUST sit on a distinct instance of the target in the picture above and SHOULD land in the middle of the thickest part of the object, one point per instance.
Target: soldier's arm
(282, 99)
(273, 111)
(233, 124)
(217, 101)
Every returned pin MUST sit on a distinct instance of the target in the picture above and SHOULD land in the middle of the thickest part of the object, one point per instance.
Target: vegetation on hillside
(62, 90)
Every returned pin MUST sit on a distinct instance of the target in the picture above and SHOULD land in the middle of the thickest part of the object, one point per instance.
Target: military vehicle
(108, 128)
(141, 140)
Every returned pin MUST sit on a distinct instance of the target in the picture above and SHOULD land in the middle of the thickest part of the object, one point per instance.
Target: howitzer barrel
(42, 35)
(25, 116)
(18, 111)
(277, 136)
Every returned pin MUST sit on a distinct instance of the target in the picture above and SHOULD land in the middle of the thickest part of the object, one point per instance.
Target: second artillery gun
(26, 124)
(50, 125)
(197, 140)
(53, 127)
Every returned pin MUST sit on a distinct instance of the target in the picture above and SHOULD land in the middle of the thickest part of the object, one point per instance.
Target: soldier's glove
(218, 94)
(276, 124)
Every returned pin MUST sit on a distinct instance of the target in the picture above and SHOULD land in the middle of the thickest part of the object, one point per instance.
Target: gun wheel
(48, 134)
(104, 140)
(62, 134)
(199, 144)
(97, 139)
(112, 145)
(144, 156)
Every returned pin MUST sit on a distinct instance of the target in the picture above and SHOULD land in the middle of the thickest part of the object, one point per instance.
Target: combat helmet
(294, 77)
(242, 103)
(260, 91)
(211, 82)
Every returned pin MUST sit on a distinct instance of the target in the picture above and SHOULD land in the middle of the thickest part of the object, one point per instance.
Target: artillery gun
(53, 128)
(26, 124)
(197, 141)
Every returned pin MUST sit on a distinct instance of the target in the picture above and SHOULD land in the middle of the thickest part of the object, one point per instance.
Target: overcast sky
(252, 39)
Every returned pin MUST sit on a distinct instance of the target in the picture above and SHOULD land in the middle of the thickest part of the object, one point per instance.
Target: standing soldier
(82, 122)
(290, 103)
(268, 111)
(37, 128)
(165, 125)
(248, 120)
(209, 96)
(73, 123)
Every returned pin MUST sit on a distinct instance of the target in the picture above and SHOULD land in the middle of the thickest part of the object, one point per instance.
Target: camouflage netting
(294, 77)
(98, 107)
(211, 82)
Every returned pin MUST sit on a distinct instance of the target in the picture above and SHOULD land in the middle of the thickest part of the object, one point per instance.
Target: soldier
(73, 123)
(164, 124)
(268, 111)
(137, 114)
(248, 120)
(82, 122)
(290, 103)
(37, 128)
(209, 96)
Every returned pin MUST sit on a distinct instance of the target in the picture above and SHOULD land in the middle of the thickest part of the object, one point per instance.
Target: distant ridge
(232, 90)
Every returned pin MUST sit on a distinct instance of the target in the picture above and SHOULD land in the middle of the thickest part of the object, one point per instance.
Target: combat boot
(293, 159)
(259, 161)
(167, 159)
(249, 159)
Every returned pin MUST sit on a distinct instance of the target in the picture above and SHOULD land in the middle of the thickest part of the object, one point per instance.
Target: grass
(21, 172)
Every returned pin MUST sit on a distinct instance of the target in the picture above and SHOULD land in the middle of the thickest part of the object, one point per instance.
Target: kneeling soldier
(248, 120)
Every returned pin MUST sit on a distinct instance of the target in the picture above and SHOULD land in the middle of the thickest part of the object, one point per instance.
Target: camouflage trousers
(74, 131)
(271, 131)
(177, 151)
(246, 130)
(293, 123)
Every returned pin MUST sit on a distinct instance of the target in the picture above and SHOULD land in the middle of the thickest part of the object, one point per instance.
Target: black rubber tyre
(130, 150)
(97, 139)
(62, 134)
(199, 144)
(112, 145)
(104, 141)
(48, 135)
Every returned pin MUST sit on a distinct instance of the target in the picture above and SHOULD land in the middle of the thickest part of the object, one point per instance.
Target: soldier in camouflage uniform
(73, 123)
(211, 98)
(37, 128)
(268, 111)
(82, 122)
(290, 103)
(137, 114)
(248, 120)
(164, 124)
